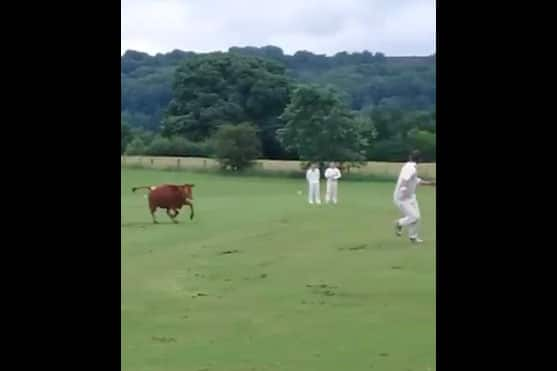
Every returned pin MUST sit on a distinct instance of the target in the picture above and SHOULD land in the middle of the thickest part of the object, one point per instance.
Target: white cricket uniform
(405, 198)
(313, 177)
(332, 175)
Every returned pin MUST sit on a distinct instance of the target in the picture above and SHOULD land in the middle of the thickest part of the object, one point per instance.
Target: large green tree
(320, 127)
(424, 141)
(236, 146)
(213, 89)
(398, 131)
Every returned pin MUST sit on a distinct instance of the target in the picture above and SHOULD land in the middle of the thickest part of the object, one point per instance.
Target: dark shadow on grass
(227, 252)
(387, 245)
(354, 248)
(147, 224)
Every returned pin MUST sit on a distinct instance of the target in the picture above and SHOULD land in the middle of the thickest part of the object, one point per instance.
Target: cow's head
(187, 189)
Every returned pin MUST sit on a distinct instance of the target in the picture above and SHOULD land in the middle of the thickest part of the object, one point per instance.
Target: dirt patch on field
(323, 289)
(228, 252)
(163, 339)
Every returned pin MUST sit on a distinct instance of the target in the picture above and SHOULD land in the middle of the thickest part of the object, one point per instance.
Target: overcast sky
(393, 27)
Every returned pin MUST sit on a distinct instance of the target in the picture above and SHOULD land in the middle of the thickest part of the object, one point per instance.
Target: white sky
(393, 27)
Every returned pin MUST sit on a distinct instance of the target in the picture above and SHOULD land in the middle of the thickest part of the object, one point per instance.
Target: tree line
(349, 107)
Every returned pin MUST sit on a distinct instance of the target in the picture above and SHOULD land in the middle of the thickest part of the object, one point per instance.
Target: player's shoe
(398, 229)
(416, 240)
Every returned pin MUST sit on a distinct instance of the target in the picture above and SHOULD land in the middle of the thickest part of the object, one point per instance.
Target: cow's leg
(153, 209)
(172, 214)
(191, 208)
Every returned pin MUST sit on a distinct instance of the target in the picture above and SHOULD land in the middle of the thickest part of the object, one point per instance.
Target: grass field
(260, 280)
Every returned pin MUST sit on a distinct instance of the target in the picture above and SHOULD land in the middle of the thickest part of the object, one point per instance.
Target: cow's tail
(143, 187)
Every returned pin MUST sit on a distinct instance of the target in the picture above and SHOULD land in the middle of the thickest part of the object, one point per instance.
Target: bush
(136, 147)
(184, 147)
(177, 146)
(389, 150)
(146, 136)
(423, 141)
(159, 147)
(147, 145)
(237, 146)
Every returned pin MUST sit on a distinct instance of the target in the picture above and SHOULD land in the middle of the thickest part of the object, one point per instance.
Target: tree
(255, 84)
(136, 147)
(213, 89)
(145, 94)
(423, 141)
(146, 136)
(319, 127)
(125, 136)
(236, 146)
(399, 131)
(392, 149)
(367, 130)
(177, 146)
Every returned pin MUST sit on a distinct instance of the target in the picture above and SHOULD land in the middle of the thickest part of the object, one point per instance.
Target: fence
(388, 169)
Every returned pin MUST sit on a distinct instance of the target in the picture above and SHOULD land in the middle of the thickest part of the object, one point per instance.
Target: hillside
(364, 79)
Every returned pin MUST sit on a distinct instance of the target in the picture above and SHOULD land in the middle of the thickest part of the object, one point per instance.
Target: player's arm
(338, 175)
(426, 182)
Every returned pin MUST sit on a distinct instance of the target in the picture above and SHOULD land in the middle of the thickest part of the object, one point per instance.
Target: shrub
(237, 146)
(136, 147)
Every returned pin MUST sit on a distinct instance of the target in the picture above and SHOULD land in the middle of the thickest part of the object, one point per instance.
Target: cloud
(394, 27)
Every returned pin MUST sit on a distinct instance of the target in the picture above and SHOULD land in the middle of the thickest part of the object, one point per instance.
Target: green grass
(253, 172)
(301, 288)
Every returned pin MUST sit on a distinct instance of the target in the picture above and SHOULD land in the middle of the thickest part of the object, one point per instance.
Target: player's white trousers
(332, 190)
(411, 211)
(313, 193)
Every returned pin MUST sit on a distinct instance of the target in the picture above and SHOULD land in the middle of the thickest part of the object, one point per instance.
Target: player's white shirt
(332, 174)
(407, 181)
(313, 176)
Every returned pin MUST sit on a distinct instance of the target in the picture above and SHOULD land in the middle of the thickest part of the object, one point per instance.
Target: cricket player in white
(405, 198)
(313, 175)
(333, 175)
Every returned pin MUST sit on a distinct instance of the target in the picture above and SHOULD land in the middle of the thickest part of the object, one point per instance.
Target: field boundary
(278, 167)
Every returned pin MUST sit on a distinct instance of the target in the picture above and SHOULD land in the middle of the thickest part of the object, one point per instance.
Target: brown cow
(170, 197)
